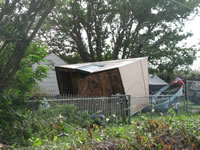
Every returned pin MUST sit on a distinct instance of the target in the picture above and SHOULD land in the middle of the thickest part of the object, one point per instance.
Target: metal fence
(193, 96)
(120, 106)
(117, 105)
(162, 104)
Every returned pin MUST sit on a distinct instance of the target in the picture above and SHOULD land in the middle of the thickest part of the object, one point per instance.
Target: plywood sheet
(89, 86)
(75, 77)
(135, 81)
(116, 83)
(105, 84)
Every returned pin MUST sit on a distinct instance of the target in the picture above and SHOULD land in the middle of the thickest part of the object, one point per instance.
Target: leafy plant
(13, 100)
(178, 132)
(12, 116)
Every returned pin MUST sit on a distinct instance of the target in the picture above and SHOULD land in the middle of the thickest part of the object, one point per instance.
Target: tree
(97, 30)
(13, 101)
(27, 76)
(20, 20)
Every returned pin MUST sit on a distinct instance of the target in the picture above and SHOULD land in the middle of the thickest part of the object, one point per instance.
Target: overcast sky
(194, 27)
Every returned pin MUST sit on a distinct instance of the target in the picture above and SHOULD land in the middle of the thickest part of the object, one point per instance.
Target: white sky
(194, 27)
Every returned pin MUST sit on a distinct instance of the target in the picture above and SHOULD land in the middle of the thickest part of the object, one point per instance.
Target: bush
(12, 116)
(13, 112)
(48, 123)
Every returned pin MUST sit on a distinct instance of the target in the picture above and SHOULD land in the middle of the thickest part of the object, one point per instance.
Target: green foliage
(184, 74)
(189, 75)
(56, 120)
(12, 116)
(166, 132)
(20, 21)
(13, 101)
(72, 59)
(27, 76)
(112, 29)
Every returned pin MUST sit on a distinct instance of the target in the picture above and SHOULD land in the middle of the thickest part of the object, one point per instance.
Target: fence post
(186, 108)
(123, 111)
(32, 113)
(151, 106)
(129, 109)
(184, 101)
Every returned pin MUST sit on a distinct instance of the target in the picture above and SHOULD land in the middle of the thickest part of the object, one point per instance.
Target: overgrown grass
(167, 131)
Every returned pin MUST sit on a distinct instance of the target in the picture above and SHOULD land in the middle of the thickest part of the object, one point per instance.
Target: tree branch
(20, 46)
(3, 46)
(44, 15)
(5, 7)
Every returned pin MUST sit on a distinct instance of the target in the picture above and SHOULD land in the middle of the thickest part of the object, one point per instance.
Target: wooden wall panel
(89, 86)
(75, 77)
(116, 83)
(105, 84)
(65, 83)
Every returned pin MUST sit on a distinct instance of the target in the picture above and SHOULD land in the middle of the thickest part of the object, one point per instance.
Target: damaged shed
(106, 78)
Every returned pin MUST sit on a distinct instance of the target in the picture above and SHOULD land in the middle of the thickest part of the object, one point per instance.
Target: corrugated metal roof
(101, 66)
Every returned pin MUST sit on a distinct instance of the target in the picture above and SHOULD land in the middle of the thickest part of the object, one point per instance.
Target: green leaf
(55, 138)
(98, 140)
(37, 142)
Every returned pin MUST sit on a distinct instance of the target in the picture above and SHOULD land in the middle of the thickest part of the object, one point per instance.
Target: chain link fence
(193, 96)
(163, 104)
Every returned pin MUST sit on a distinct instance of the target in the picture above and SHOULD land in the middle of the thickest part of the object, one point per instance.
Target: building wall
(104, 83)
(49, 85)
(136, 83)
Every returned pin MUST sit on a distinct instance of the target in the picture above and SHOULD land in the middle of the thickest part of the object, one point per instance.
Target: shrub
(12, 116)
(55, 120)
